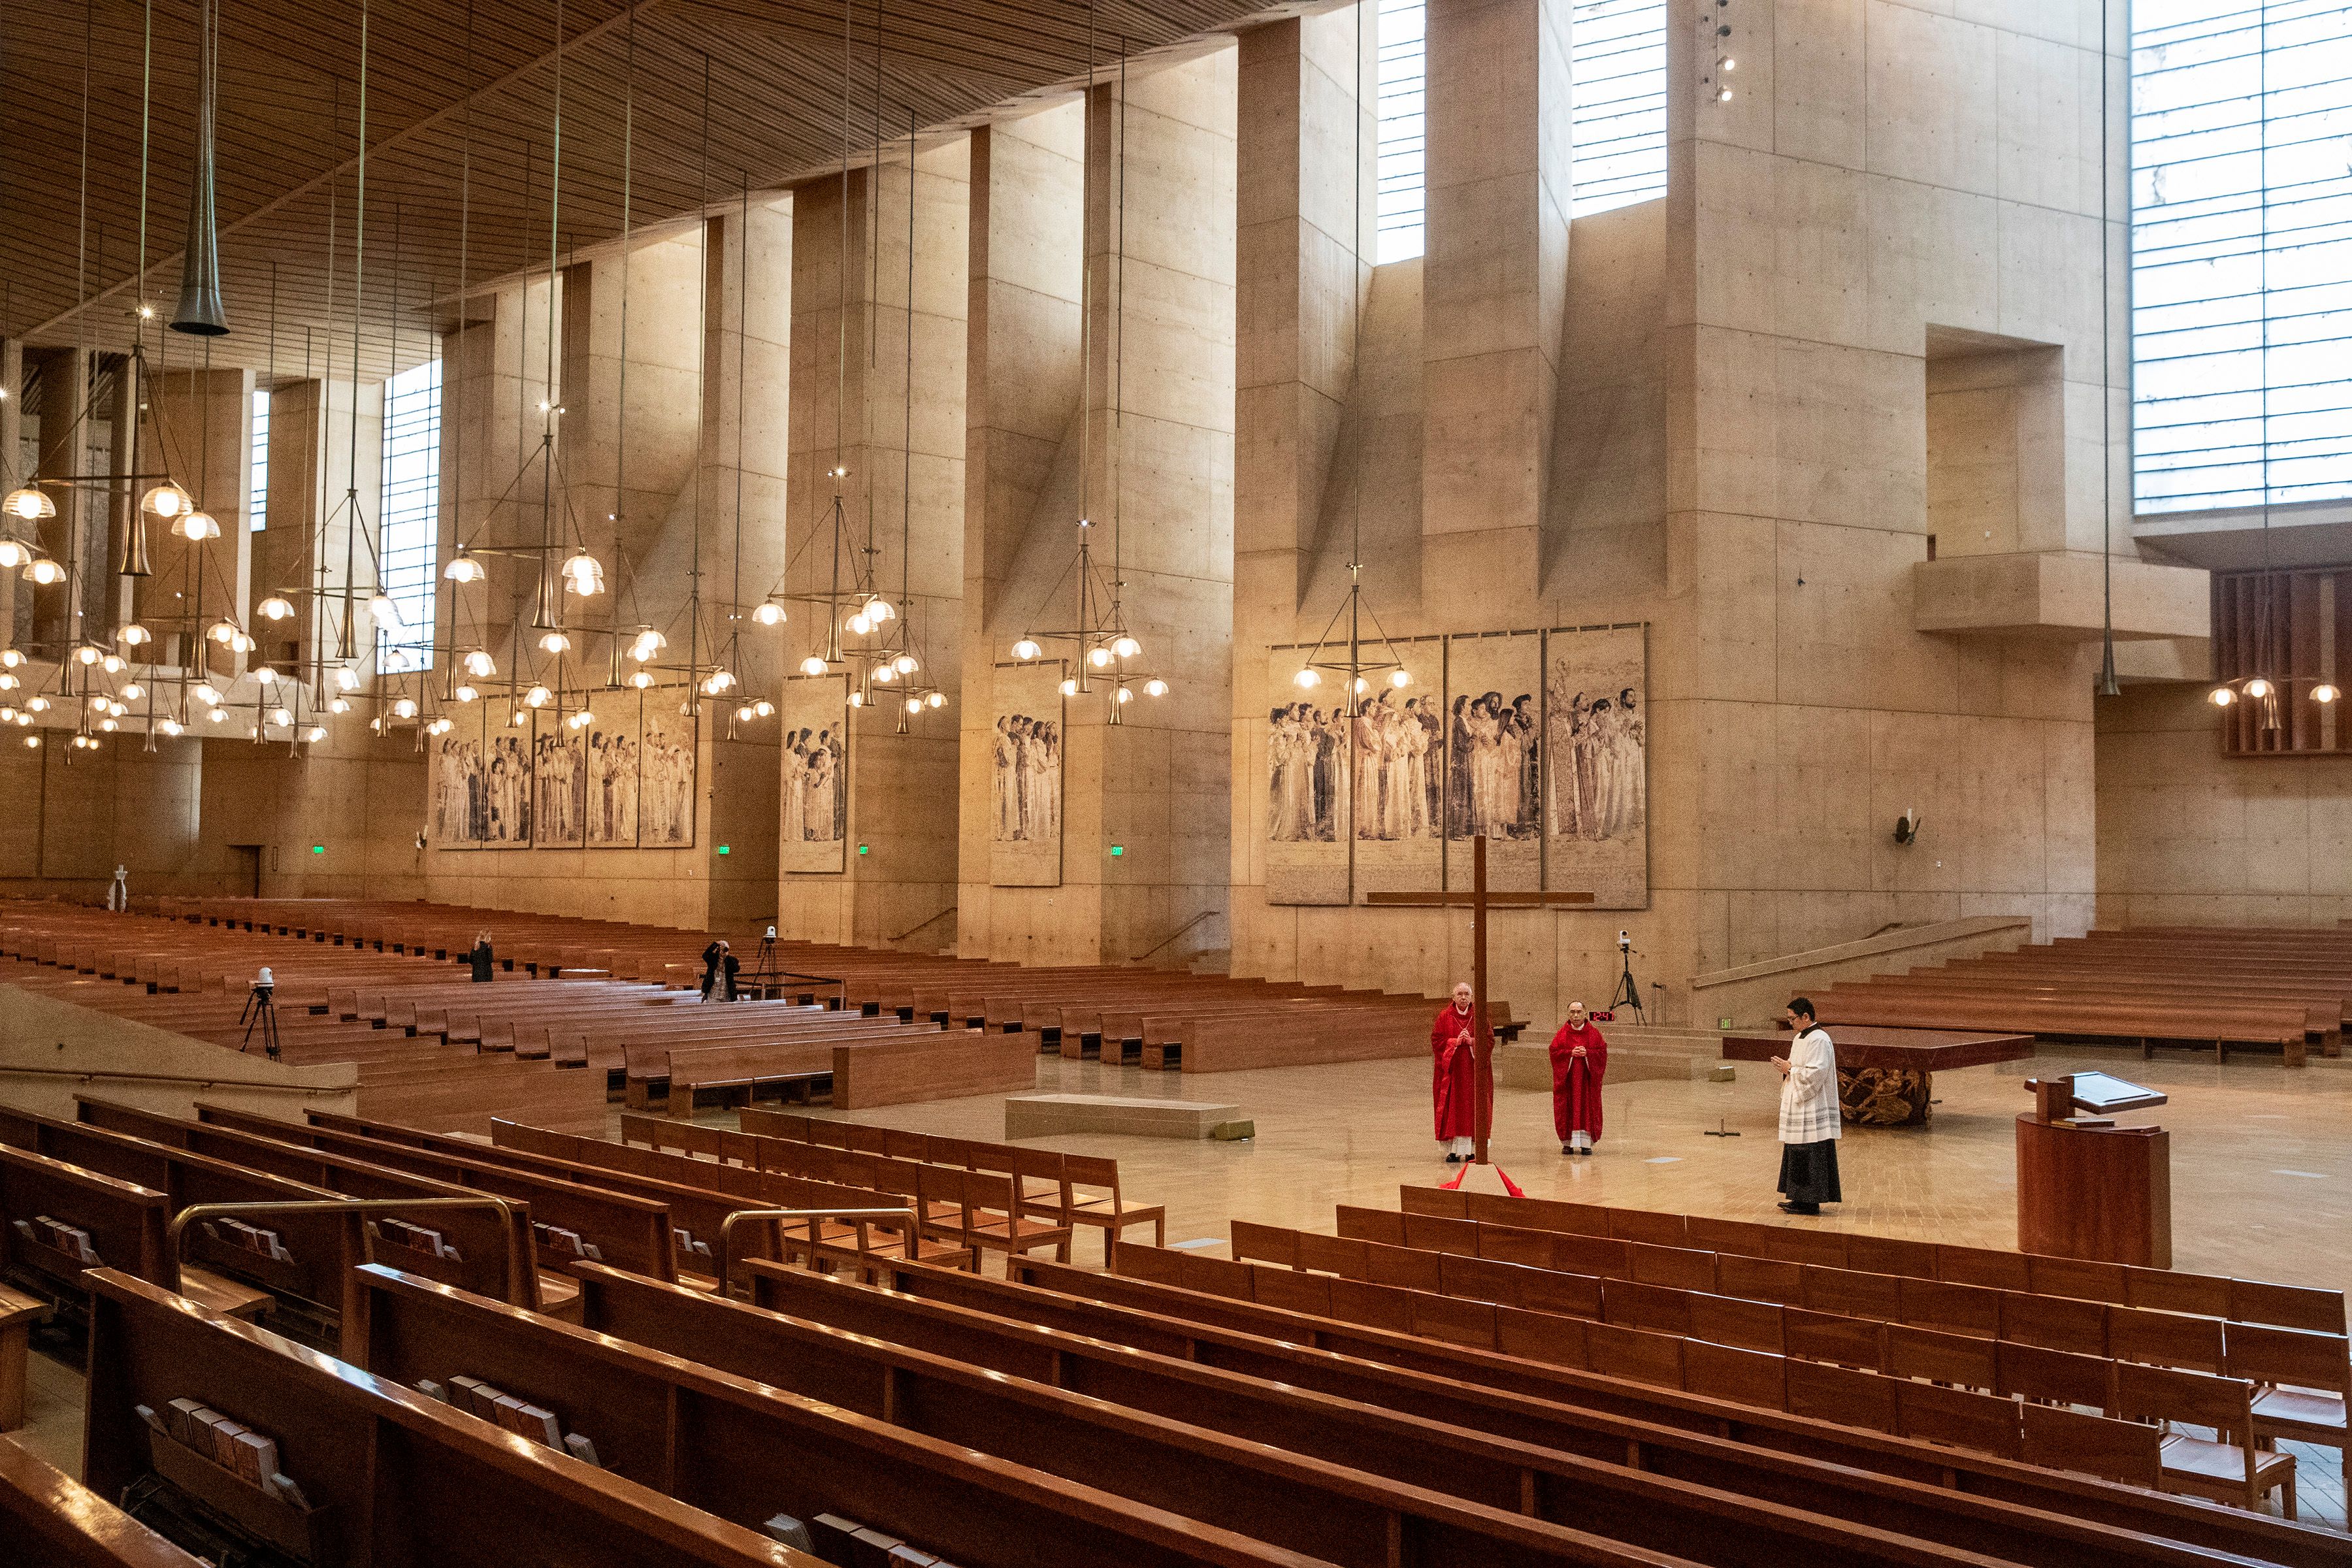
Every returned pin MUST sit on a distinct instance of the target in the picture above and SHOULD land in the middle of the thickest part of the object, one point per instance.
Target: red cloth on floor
(1576, 1081)
(1454, 1075)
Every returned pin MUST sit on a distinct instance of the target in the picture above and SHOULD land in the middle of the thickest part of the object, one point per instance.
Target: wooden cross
(1477, 901)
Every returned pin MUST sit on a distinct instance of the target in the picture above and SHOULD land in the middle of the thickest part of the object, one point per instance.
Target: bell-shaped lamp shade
(315, 733)
(465, 694)
(744, 713)
(1125, 646)
(879, 609)
(265, 674)
(279, 716)
(167, 501)
(28, 504)
(2223, 697)
(885, 673)
(221, 631)
(1124, 695)
(133, 635)
(1155, 686)
(339, 705)
(859, 623)
(554, 641)
(1307, 677)
(348, 678)
(405, 708)
(86, 653)
(197, 526)
(905, 664)
(538, 697)
(385, 611)
(649, 643)
(112, 664)
(13, 553)
(1026, 648)
(479, 665)
(1069, 687)
(935, 700)
(813, 665)
(1099, 658)
(768, 613)
(45, 572)
(763, 708)
(858, 700)
(276, 607)
(1399, 679)
(641, 680)
(463, 567)
(2258, 687)
(2324, 692)
(134, 692)
(583, 574)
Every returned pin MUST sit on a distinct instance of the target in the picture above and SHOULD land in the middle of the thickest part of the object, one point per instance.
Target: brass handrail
(190, 1079)
(517, 1263)
(1172, 935)
(727, 1230)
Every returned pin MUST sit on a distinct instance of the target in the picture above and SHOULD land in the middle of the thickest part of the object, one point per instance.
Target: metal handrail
(727, 1230)
(934, 920)
(517, 1263)
(1172, 935)
(6, 1072)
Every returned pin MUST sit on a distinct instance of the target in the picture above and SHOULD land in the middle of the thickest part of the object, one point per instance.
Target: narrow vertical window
(1403, 58)
(411, 513)
(1617, 74)
(259, 488)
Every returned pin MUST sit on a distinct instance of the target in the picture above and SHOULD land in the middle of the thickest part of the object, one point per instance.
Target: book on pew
(787, 1530)
(432, 1390)
(539, 1424)
(581, 1449)
(226, 1433)
(179, 1420)
(257, 1457)
(469, 1395)
(282, 1487)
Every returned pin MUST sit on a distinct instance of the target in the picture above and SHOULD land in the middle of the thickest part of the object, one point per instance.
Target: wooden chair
(1956, 1418)
(2055, 1322)
(2061, 1439)
(1103, 1207)
(2301, 1381)
(2226, 1467)
(1958, 1360)
(18, 1313)
(2054, 1377)
(2163, 1339)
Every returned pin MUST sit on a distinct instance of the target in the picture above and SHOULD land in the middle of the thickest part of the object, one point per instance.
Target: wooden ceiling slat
(287, 121)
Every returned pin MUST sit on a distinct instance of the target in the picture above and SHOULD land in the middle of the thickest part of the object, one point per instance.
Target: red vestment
(1454, 1075)
(1576, 1081)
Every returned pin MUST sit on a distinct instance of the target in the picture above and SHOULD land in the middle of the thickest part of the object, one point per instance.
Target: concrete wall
(2189, 836)
(51, 1051)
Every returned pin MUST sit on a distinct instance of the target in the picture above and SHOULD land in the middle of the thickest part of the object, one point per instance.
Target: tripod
(763, 968)
(260, 1012)
(1627, 994)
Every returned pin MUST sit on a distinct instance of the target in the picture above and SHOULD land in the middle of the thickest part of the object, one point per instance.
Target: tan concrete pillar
(901, 531)
(1307, 219)
(1021, 378)
(1495, 281)
(199, 430)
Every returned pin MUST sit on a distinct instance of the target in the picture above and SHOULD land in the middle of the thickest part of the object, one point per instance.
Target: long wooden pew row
(694, 1209)
(1655, 1431)
(1427, 1428)
(57, 1522)
(748, 1448)
(2203, 1294)
(464, 1248)
(1891, 1376)
(959, 1214)
(1253, 1490)
(2075, 1012)
(384, 1476)
(570, 1219)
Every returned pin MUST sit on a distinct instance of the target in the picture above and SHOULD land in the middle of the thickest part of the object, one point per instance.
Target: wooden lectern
(2086, 1187)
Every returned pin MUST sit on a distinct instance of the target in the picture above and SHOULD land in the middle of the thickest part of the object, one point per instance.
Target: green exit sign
(862, 848)
(723, 849)
(1118, 849)
(317, 850)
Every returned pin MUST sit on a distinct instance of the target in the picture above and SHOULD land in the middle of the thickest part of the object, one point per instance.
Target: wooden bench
(388, 1476)
(18, 1313)
(57, 1522)
(815, 1432)
(1899, 1484)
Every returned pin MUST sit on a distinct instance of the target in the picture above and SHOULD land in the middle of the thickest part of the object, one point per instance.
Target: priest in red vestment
(1579, 1060)
(1453, 1087)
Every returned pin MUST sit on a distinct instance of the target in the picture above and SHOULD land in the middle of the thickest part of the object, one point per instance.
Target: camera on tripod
(1625, 941)
(261, 1012)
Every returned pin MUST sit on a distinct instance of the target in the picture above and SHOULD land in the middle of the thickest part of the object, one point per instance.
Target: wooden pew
(57, 1522)
(477, 1248)
(1653, 1429)
(1338, 1406)
(390, 1477)
(626, 1230)
(749, 1449)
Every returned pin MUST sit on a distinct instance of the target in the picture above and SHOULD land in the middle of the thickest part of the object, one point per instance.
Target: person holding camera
(1579, 1060)
(1810, 1123)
